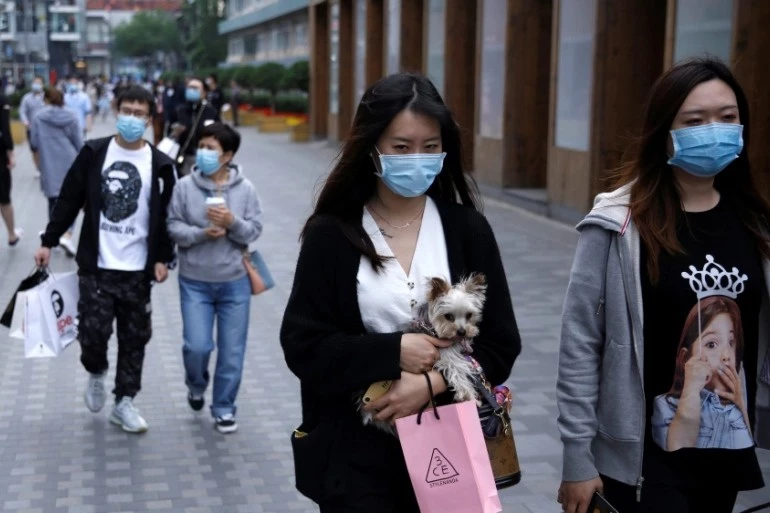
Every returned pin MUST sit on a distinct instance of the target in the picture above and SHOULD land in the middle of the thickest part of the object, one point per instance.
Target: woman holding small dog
(396, 210)
(664, 369)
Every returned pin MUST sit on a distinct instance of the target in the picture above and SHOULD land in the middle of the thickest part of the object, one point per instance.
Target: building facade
(546, 91)
(40, 36)
(260, 31)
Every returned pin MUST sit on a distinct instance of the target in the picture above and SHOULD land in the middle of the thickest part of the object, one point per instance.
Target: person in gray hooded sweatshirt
(663, 386)
(214, 215)
(55, 134)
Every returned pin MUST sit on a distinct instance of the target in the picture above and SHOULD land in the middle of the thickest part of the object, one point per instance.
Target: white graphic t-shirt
(125, 209)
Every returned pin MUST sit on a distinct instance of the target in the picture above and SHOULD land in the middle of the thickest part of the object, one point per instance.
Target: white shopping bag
(169, 146)
(17, 321)
(59, 300)
(38, 342)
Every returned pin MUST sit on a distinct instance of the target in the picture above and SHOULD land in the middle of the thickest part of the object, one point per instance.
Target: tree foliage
(297, 76)
(204, 47)
(147, 33)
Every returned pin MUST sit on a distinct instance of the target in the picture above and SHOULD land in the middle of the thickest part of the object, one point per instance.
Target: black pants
(660, 498)
(5, 183)
(115, 295)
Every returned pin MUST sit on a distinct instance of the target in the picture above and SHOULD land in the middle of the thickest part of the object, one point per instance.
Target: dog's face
(455, 311)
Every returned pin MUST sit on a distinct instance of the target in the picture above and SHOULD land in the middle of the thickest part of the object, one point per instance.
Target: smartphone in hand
(599, 504)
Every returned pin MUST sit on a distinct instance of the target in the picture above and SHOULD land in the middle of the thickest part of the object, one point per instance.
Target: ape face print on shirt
(706, 406)
(121, 188)
(124, 224)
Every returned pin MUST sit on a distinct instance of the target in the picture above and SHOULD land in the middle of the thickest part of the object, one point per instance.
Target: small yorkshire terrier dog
(451, 312)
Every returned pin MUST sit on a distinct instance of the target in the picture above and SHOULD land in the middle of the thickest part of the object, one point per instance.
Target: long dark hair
(655, 199)
(352, 182)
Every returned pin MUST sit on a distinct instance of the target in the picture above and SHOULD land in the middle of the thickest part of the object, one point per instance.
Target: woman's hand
(221, 216)
(215, 232)
(574, 497)
(405, 397)
(419, 352)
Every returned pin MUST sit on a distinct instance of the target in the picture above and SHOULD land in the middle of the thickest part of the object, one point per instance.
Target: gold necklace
(419, 214)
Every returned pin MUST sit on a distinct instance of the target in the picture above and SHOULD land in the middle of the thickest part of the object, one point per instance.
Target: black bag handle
(431, 402)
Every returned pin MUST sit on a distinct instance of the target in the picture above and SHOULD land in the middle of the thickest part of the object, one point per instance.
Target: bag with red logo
(59, 301)
(447, 460)
(50, 315)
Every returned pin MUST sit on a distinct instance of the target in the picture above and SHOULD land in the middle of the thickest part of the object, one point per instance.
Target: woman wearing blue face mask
(214, 215)
(664, 370)
(189, 119)
(397, 209)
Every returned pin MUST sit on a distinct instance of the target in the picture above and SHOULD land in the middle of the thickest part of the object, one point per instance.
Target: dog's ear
(437, 287)
(476, 284)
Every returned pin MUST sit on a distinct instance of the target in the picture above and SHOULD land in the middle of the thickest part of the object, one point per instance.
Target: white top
(124, 222)
(388, 300)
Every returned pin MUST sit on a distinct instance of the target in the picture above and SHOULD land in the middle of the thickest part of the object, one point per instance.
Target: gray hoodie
(55, 132)
(600, 389)
(201, 258)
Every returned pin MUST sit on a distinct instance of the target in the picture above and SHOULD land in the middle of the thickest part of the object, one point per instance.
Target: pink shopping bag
(448, 461)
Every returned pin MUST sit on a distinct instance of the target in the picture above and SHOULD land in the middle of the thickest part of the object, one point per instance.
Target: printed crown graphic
(715, 280)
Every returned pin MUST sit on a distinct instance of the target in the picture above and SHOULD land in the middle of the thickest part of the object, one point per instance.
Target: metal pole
(27, 29)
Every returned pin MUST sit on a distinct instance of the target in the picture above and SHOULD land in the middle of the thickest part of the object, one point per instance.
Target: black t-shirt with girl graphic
(701, 322)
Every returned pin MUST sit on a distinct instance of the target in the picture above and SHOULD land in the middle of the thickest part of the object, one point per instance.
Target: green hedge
(291, 103)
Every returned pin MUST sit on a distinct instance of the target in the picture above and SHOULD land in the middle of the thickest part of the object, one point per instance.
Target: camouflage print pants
(125, 297)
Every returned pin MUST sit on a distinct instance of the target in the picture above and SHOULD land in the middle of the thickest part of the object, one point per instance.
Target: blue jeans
(229, 303)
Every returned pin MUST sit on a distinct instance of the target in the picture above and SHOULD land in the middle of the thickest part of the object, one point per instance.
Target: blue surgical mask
(37, 87)
(410, 175)
(706, 150)
(72, 88)
(192, 95)
(130, 128)
(207, 161)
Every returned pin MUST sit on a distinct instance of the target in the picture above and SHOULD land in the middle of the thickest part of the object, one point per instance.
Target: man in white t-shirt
(124, 184)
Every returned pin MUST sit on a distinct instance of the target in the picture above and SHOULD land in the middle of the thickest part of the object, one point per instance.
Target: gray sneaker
(95, 395)
(126, 415)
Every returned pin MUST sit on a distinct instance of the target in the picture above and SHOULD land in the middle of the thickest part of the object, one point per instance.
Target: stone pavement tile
(56, 452)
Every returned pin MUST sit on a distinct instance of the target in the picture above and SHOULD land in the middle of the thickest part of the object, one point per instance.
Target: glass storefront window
(360, 71)
(577, 25)
(334, 59)
(394, 35)
(435, 47)
(492, 81)
(703, 27)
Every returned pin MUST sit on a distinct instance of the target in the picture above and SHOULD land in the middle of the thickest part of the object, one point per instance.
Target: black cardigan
(327, 348)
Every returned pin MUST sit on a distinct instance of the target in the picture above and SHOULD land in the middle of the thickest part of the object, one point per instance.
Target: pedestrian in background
(214, 215)
(664, 369)
(56, 133)
(397, 209)
(31, 103)
(78, 102)
(125, 185)
(7, 163)
(189, 119)
(158, 119)
(215, 96)
(235, 101)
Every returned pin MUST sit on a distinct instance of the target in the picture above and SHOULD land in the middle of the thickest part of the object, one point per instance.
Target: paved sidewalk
(57, 457)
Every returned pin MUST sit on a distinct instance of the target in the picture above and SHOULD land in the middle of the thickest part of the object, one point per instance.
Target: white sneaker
(126, 415)
(19, 233)
(226, 424)
(68, 246)
(95, 395)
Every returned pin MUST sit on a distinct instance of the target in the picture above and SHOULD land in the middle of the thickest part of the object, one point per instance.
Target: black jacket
(326, 345)
(186, 114)
(6, 138)
(82, 189)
